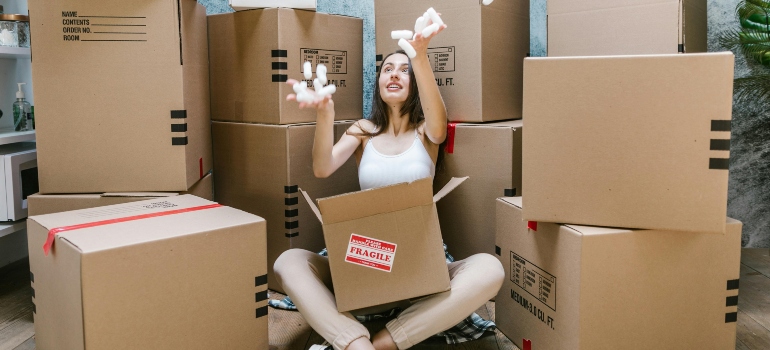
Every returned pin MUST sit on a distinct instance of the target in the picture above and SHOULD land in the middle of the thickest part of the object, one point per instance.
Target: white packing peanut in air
(326, 90)
(419, 25)
(401, 34)
(317, 85)
(407, 47)
(430, 30)
(486, 2)
(307, 70)
(320, 72)
(434, 16)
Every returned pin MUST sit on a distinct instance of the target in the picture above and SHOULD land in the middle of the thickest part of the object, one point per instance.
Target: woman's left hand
(420, 43)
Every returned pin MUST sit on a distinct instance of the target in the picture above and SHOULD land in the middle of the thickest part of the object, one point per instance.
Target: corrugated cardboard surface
(412, 227)
(254, 52)
(628, 141)
(476, 60)
(602, 27)
(179, 281)
(491, 155)
(40, 204)
(259, 169)
(104, 104)
(611, 288)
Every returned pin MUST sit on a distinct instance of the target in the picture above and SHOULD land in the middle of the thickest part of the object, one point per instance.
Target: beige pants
(305, 277)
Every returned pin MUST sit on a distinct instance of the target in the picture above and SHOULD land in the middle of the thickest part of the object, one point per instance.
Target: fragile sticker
(370, 252)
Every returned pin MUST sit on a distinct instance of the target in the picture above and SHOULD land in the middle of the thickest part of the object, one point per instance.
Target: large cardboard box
(169, 273)
(384, 243)
(40, 204)
(580, 287)
(476, 60)
(259, 168)
(626, 27)
(240, 5)
(490, 154)
(254, 52)
(122, 95)
(628, 141)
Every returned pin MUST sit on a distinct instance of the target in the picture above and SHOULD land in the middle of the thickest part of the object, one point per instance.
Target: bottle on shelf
(21, 111)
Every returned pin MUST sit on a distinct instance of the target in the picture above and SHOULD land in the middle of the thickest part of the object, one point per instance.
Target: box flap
(140, 194)
(517, 123)
(312, 205)
(451, 185)
(376, 201)
(514, 201)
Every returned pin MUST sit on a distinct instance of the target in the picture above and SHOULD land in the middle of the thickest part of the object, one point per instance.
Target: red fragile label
(532, 225)
(526, 344)
(52, 232)
(450, 138)
(370, 252)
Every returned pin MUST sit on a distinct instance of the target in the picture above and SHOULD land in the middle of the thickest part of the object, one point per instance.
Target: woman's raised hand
(420, 43)
(322, 104)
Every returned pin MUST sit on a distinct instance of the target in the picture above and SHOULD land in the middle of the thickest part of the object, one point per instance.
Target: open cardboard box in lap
(384, 243)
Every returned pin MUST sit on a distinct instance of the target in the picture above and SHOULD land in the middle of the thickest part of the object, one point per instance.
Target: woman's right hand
(324, 106)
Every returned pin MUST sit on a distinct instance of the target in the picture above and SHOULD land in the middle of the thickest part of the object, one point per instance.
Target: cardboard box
(630, 141)
(259, 168)
(40, 204)
(254, 52)
(121, 112)
(580, 287)
(628, 27)
(240, 5)
(490, 154)
(476, 60)
(173, 273)
(377, 237)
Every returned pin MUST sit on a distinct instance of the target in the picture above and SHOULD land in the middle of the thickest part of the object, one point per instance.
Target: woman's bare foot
(383, 341)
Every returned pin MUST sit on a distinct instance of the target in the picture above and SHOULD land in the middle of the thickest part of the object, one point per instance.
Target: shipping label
(99, 27)
(370, 252)
(534, 280)
(336, 61)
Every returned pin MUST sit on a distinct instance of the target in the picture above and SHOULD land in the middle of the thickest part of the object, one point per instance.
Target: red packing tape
(52, 233)
(532, 225)
(450, 138)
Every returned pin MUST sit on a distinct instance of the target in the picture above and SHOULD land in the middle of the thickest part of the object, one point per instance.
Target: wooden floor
(288, 331)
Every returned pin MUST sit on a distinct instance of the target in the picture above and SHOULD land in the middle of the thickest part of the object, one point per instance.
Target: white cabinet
(15, 67)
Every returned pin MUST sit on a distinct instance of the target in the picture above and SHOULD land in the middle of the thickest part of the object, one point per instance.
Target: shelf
(8, 135)
(14, 52)
(6, 228)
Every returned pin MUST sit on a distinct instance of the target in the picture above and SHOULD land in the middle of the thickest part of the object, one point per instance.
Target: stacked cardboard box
(635, 142)
(172, 273)
(121, 110)
(122, 96)
(490, 154)
(263, 143)
(627, 27)
(476, 60)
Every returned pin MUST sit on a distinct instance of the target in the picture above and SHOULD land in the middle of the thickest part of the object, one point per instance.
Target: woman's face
(394, 79)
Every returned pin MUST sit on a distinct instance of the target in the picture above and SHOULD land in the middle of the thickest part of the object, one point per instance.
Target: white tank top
(377, 169)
